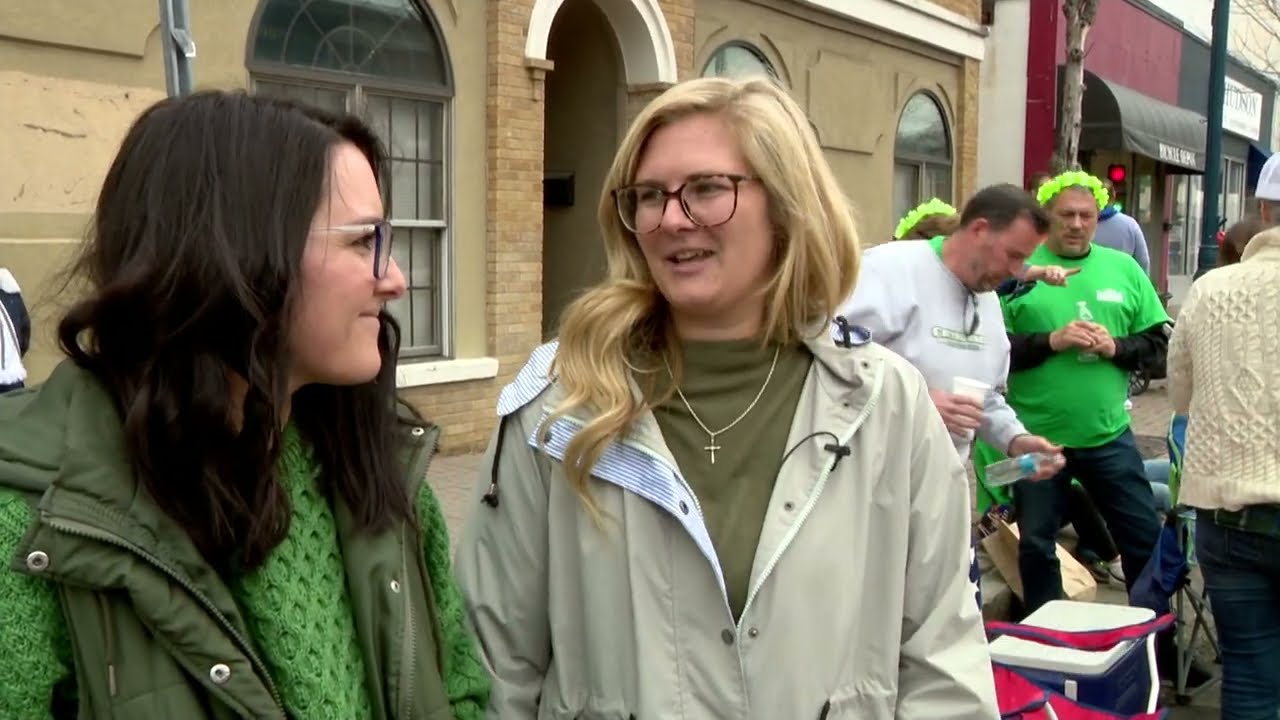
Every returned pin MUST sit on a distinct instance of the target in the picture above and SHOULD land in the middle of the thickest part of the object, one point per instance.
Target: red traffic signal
(1117, 173)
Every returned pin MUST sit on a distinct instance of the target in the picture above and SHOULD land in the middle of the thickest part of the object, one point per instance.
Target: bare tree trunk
(1080, 15)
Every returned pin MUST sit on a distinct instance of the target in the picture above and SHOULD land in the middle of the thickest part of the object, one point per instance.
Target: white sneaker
(1116, 571)
(1128, 404)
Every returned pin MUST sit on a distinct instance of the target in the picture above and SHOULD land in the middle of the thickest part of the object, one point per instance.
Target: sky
(1197, 15)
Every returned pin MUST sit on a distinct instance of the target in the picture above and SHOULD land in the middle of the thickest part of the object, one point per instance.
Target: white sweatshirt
(916, 307)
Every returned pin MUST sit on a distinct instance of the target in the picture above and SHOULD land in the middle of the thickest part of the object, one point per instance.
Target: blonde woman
(698, 505)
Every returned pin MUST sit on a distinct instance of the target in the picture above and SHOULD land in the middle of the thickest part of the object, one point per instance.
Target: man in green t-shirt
(1072, 349)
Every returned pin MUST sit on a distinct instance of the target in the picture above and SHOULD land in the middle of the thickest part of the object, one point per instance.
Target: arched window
(384, 60)
(738, 59)
(922, 156)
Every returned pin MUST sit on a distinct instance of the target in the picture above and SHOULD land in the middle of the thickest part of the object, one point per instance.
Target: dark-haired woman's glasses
(381, 236)
(707, 201)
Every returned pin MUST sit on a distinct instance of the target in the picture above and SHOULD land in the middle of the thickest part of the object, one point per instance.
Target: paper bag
(1002, 546)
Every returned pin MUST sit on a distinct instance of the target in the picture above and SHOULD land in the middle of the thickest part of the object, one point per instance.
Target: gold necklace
(711, 446)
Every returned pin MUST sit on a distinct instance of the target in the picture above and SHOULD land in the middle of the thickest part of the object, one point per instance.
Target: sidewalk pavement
(455, 479)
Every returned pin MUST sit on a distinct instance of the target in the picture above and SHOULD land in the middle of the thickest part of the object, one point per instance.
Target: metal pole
(179, 47)
(1208, 257)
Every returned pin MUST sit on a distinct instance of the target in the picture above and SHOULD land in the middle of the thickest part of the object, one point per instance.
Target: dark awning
(1114, 117)
(1253, 167)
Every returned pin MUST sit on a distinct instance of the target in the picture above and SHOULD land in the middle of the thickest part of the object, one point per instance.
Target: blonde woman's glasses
(707, 200)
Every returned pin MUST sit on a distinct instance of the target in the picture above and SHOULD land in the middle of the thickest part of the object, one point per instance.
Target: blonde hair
(624, 319)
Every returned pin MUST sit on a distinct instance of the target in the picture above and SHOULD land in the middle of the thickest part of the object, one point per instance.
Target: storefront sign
(1178, 156)
(1242, 110)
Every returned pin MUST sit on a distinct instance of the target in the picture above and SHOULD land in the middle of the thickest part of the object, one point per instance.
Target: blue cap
(1027, 463)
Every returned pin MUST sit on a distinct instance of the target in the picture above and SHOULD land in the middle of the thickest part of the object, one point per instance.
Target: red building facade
(1130, 115)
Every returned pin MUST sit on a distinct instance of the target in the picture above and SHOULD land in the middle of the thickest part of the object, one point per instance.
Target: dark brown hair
(1002, 205)
(192, 269)
(1235, 239)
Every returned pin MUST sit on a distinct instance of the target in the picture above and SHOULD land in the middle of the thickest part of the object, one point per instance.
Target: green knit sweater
(307, 640)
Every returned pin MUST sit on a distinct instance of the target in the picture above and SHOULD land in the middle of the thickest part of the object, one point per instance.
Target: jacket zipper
(84, 530)
(813, 498)
(109, 638)
(410, 652)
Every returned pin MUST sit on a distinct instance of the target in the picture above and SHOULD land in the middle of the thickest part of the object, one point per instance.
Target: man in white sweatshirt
(933, 303)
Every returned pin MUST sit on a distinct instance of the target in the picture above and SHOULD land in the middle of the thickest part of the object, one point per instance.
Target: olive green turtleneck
(720, 379)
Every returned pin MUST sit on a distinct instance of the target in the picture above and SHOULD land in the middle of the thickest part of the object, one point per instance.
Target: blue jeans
(1114, 476)
(1158, 475)
(1242, 577)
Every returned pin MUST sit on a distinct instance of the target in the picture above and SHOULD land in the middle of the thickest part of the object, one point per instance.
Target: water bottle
(1011, 470)
(1082, 313)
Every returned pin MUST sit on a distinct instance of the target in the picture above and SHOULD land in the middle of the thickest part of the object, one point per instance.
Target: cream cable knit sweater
(1224, 374)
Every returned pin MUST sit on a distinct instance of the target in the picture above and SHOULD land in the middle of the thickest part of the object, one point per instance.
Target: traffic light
(1117, 174)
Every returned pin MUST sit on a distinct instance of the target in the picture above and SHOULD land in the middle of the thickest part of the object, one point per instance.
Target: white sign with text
(1242, 110)
(1178, 155)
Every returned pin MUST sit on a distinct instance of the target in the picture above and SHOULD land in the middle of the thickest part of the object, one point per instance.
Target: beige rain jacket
(860, 601)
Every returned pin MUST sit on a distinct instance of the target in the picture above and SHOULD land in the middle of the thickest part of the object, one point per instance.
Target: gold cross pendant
(712, 448)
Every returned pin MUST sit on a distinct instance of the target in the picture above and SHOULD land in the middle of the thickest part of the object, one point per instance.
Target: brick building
(501, 117)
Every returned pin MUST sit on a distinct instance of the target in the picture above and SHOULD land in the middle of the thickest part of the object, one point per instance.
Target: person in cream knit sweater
(1223, 374)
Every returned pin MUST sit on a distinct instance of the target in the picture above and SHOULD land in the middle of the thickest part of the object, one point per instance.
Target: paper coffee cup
(973, 389)
(970, 388)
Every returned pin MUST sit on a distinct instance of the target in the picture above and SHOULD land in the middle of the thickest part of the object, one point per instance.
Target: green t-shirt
(720, 380)
(1077, 399)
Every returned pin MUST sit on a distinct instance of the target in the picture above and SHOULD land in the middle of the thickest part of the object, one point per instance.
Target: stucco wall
(1003, 118)
(854, 82)
(73, 76)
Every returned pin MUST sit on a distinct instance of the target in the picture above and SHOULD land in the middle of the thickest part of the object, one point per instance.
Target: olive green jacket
(154, 631)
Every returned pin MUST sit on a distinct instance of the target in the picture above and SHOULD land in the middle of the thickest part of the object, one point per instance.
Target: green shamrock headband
(1073, 178)
(913, 218)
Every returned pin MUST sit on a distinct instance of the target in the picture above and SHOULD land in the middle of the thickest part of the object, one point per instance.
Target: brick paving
(454, 478)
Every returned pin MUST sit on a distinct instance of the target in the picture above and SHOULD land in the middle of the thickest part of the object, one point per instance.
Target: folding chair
(1187, 596)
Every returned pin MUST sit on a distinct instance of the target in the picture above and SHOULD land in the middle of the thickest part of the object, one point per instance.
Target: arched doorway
(581, 124)
(598, 49)
(648, 52)
(386, 61)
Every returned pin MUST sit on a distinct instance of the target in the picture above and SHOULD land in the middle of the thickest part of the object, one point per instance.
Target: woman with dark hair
(216, 507)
